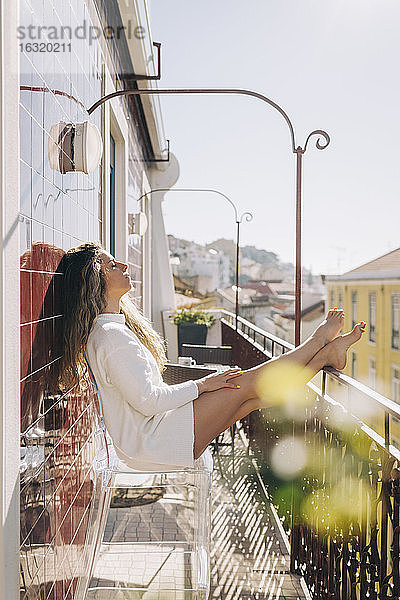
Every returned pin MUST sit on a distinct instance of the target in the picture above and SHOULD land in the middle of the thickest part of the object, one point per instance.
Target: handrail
(270, 336)
(388, 405)
(376, 437)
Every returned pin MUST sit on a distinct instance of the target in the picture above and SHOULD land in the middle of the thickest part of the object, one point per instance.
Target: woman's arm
(216, 381)
(130, 371)
(126, 365)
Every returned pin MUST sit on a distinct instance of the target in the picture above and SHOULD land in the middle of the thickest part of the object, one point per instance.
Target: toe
(358, 329)
(354, 335)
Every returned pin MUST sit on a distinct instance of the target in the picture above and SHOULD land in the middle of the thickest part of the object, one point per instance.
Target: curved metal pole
(194, 190)
(155, 91)
(238, 221)
(299, 151)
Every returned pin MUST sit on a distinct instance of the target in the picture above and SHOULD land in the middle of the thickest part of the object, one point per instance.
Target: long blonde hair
(84, 298)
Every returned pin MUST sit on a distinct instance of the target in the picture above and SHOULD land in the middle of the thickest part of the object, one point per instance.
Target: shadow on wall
(41, 283)
(57, 449)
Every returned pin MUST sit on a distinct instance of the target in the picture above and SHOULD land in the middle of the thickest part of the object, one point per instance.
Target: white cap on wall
(75, 147)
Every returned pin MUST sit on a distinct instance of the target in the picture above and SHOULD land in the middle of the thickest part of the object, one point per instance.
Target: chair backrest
(105, 453)
(179, 373)
(208, 354)
(188, 486)
(106, 460)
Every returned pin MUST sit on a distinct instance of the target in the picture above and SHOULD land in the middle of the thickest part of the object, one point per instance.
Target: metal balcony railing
(341, 506)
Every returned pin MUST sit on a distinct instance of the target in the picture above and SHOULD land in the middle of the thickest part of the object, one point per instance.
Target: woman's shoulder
(111, 334)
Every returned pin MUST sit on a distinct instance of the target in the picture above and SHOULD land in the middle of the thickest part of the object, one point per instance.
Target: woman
(152, 424)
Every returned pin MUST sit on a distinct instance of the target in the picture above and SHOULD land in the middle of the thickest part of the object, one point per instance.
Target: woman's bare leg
(301, 355)
(333, 354)
(297, 358)
(215, 411)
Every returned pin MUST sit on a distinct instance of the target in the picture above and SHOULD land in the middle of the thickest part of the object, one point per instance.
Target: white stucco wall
(163, 295)
(9, 302)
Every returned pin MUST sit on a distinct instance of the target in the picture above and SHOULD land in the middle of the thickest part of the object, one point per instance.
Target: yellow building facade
(371, 293)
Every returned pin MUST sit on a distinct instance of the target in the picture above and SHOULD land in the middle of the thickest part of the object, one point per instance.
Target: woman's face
(116, 274)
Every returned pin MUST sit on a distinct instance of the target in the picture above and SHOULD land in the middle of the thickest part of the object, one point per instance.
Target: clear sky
(330, 64)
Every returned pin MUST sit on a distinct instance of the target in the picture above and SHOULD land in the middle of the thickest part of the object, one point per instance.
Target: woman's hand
(216, 381)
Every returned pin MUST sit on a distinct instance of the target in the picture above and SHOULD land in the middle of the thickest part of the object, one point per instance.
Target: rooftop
(383, 267)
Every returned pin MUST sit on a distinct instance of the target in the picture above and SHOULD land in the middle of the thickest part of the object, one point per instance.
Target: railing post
(385, 505)
(387, 430)
(297, 312)
(396, 532)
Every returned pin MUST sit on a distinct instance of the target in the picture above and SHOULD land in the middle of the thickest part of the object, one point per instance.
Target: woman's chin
(129, 288)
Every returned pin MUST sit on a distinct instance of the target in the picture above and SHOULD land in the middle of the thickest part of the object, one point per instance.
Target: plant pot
(191, 333)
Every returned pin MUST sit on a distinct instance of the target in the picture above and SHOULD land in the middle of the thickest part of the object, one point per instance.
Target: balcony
(305, 500)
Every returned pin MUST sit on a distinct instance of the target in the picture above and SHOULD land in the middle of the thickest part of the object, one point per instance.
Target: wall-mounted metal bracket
(161, 159)
(134, 77)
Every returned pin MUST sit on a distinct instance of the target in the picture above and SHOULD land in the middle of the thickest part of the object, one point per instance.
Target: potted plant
(192, 326)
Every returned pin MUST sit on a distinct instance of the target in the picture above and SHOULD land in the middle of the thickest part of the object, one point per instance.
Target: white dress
(151, 423)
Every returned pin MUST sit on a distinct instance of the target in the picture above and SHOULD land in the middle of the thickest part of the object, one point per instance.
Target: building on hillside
(271, 306)
(279, 319)
(227, 298)
(260, 285)
(185, 294)
(250, 268)
(183, 287)
(208, 268)
(203, 284)
(282, 288)
(273, 274)
(371, 293)
(256, 310)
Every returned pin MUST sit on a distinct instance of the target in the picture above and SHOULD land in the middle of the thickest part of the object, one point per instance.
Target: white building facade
(190, 260)
(47, 445)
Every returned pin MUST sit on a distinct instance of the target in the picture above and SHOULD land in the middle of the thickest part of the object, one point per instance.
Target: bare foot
(331, 326)
(337, 349)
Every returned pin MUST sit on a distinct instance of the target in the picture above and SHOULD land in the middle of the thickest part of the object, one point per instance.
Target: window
(112, 195)
(340, 300)
(396, 385)
(372, 318)
(395, 320)
(353, 308)
(372, 373)
(354, 365)
(332, 299)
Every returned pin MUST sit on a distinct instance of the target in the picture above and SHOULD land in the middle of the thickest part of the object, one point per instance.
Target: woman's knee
(247, 407)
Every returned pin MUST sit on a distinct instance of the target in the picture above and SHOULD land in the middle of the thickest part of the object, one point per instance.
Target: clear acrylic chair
(156, 524)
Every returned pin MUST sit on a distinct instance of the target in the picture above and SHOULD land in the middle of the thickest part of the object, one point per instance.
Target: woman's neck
(112, 306)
